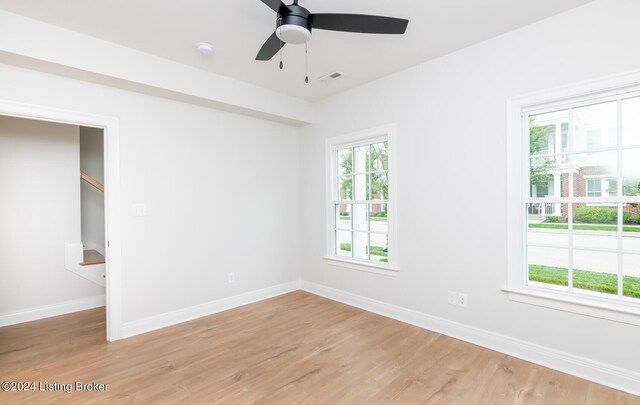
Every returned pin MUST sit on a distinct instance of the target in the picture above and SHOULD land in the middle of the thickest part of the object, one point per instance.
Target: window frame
(332, 145)
(587, 180)
(600, 90)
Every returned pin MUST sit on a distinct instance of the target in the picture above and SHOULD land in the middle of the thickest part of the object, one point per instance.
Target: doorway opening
(61, 214)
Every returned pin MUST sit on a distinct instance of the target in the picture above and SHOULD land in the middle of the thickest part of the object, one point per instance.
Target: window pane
(547, 224)
(378, 218)
(631, 227)
(345, 188)
(361, 159)
(594, 139)
(379, 248)
(548, 267)
(343, 243)
(596, 174)
(631, 279)
(595, 226)
(343, 216)
(631, 172)
(594, 187)
(546, 134)
(378, 213)
(379, 157)
(631, 121)
(597, 217)
(595, 272)
(361, 187)
(379, 186)
(595, 127)
(547, 177)
(360, 219)
(344, 161)
(361, 245)
(564, 138)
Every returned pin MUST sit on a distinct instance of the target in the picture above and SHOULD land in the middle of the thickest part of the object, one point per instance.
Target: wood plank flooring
(294, 349)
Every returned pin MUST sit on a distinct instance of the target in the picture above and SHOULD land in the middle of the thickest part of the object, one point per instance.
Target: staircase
(91, 257)
(89, 264)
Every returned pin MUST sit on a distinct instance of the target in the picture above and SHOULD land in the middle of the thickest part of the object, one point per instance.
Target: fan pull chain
(280, 36)
(306, 63)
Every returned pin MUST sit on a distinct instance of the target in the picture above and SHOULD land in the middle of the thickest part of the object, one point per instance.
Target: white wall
(39, 213)
(92, 199)
(222, 193)
(451, 144)
(69, 53)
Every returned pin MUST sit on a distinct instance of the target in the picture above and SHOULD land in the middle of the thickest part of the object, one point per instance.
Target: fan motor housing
(294, 26)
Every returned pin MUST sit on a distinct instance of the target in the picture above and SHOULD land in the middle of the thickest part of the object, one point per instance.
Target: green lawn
(375, 250)
(378, 219)
(586, 280)
(373, 219)
(577, 227)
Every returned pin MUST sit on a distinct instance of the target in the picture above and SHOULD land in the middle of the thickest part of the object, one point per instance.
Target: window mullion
(351, 233)
(361, 202)
(570, 181)
(620, 193)
(527, 155)
(620, 269)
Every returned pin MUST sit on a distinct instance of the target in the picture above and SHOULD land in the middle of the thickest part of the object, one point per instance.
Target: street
(583, 258)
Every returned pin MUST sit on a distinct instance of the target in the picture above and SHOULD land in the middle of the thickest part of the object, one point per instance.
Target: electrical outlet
(231, 277)
(463, 299)
(452, 298)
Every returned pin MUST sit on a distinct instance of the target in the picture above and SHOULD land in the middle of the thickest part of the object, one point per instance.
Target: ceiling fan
(294, 24)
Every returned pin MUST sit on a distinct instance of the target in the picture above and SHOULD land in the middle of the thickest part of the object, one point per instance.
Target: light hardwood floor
(296, 348)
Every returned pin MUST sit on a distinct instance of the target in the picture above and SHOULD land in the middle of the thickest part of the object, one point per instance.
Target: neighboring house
(594, 169)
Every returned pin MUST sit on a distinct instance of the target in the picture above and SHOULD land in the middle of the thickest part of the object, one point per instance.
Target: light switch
(138, 210)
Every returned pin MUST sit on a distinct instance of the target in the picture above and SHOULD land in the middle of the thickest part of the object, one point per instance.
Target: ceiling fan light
(293, 34)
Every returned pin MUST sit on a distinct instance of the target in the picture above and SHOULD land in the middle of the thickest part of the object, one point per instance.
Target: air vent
(331, 76)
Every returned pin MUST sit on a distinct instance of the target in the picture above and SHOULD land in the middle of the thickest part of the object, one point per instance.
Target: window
(594, 139)
(360, 220)
(601, 187)
(594, 187)
(578, 247)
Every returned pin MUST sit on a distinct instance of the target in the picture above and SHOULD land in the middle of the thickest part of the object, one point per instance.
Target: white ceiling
(237, 29)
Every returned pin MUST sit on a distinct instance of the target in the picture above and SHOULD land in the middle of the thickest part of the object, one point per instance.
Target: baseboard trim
(208, 308)
(601, 373)
(48, 311)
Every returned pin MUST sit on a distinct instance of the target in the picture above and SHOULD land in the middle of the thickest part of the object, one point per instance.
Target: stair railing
(95, 183)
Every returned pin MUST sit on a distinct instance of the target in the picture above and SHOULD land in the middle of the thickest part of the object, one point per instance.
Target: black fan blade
(366, 24)
(276, 5)
(271, 46)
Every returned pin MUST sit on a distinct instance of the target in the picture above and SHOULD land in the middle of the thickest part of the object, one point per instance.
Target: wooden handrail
(95, 183)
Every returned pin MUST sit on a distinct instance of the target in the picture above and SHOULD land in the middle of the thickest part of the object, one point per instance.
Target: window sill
(584, 306)
(381, 269)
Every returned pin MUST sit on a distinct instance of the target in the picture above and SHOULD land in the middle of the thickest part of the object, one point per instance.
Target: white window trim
(387, 133)
(598, 90)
